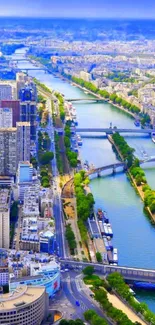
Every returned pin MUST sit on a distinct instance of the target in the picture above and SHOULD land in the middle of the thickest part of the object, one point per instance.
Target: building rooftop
(20, 297)
(31, 200)
(8, 129)
(23, 124)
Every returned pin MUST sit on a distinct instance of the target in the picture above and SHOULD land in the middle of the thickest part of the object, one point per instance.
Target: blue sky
(78, 8)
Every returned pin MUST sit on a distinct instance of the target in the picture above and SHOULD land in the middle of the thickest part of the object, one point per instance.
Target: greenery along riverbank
(61, 106)
(85, 203)
(103, 93)
(100, 294)
(71, 155)
(37, 82)
(116, 281)
(135, 171)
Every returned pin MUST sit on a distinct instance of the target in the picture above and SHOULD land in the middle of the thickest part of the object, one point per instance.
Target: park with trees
(85, 203)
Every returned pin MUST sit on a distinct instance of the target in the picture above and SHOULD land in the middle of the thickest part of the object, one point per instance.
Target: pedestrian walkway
(116, 302)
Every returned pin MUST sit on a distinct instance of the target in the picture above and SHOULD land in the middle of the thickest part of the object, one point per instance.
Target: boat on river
(115, 255)
(79, 140)
(110, 232)
(137, 123)
(102, 215)
(153, 137)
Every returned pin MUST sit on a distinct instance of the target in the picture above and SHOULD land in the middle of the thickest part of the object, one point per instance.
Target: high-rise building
(8, 159)
(5, 92)
(23, 141)
(4, 270)
(4, 218)
(28, 114)
(15, 105)
(28, 93)
(14, 147)
(5, 117)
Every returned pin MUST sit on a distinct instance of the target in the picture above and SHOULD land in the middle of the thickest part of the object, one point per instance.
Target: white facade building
(5, 92)
(6, 117)
(4, 218)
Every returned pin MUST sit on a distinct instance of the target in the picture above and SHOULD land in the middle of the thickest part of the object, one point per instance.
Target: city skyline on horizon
(83, 9)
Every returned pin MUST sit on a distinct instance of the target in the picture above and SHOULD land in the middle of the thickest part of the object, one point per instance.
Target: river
(134, 236)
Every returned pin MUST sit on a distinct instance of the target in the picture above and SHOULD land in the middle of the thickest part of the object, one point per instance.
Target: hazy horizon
(102, 9)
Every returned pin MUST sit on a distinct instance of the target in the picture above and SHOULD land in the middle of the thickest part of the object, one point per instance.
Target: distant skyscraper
(15, 105)
(5, 92)
(4, 218)
(28, 112)
(23, 141)
(8, 159)
(5, 117)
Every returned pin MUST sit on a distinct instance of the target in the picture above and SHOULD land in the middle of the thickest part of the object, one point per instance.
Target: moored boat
(153, 137)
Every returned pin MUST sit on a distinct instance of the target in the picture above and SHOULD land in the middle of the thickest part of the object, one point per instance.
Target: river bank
(139, 189)
(83, 88)
(99, 97)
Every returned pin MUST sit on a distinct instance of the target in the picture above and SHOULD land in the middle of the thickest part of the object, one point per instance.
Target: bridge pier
(99, 174)
(114, 170)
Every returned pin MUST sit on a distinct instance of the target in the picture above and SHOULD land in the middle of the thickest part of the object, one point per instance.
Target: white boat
(115, 255)
(153, 137)
(110, 229)
(86, 92)
(79, 140)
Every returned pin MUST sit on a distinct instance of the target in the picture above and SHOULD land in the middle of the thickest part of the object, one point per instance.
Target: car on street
(77, 303)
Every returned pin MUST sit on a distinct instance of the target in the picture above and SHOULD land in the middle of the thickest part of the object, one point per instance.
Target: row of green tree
(61, 106)
(45, 176)
(71, 239)
(37, 82)
(71, 155)
(149, 198)
(44, 156)
(58, 156)
(92, 317)
(125, 150)
(117, 315)
(113, 97)
(136, 171)
(117, 282)
(44, 141)
(100, 295)
(84, 201)
(71, 322)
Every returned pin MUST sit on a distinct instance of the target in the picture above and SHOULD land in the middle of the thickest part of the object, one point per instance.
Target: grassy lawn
(92, 280)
